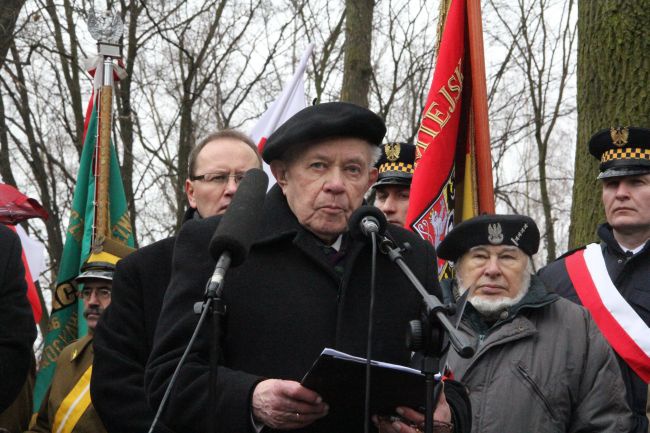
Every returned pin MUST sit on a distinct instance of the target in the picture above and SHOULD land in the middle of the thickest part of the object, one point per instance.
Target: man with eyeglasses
(124, 336)
(67, 406)
(216, 165)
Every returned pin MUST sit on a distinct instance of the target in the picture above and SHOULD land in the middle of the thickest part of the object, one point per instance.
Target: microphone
(366, 220)
(236, 231)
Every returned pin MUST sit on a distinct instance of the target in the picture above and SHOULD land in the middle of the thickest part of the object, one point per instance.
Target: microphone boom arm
(432, 303)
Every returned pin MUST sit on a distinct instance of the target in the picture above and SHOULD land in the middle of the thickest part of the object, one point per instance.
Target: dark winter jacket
(17, 328)
(631, 276)
(285, 303)
(542, 367)
(124, 338)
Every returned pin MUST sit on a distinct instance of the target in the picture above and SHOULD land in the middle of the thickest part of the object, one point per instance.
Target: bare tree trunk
(613, 77)
(125, 111)
(542, 49)
(193, 87)
(9, 10)
(70, 65)
(38, 166)
(6, 173)
(357, 70)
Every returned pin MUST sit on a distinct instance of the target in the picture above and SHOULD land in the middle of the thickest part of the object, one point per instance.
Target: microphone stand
(214, 306)
(427, 336)
(217, 310)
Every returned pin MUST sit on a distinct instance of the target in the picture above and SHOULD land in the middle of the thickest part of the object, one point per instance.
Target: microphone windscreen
(354, 223)
(238, 226)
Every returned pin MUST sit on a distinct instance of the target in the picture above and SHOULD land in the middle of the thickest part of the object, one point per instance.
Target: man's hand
(285, 404)
(414, 420)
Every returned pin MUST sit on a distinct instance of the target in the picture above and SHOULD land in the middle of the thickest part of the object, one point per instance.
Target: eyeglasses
(219, 178)
(102, 294)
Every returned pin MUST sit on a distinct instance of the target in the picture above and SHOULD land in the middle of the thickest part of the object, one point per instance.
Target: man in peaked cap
(393, 186)
(540, 363)
(67, 405)
(612, 278)
(303, 287)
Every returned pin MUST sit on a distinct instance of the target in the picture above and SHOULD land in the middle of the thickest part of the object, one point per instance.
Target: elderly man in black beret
(304, 287)
(540, 363)
(612, 278)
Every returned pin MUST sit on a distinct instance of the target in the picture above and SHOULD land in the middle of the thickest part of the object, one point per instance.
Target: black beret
(396, 164)
(517, 230)
(622, 151)
(323, 121)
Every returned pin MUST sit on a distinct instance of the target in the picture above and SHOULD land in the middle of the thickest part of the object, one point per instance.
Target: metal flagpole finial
(106, 29)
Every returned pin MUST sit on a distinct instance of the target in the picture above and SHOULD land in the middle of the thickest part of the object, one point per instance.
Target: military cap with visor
(96, 271)
(622, 151)
(515, 230)
(321, 122)
(396, 164)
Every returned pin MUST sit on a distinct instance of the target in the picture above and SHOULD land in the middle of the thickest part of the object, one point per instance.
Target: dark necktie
(336, 258)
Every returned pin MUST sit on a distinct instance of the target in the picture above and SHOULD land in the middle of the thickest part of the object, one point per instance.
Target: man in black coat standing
(17, 329)
(124, 335)
(304, 287)
(612, 278)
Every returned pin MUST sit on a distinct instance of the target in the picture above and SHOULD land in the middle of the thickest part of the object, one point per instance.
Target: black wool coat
(285, 303)
(17, 328)
(124, 338)
(631, 276)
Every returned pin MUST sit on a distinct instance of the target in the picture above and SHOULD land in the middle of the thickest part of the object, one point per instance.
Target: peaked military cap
(396, 164)
(622, 151)
(517, 230)
(96, 271)
(323, 121)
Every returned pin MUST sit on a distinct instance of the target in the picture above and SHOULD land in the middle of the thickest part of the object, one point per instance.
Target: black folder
(340, 379)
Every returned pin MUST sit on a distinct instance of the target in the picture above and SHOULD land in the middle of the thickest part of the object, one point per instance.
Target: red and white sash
(621, 326)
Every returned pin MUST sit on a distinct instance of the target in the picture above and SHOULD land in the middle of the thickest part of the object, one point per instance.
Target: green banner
(66, 322)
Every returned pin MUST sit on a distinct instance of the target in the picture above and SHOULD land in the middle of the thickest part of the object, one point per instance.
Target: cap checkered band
(625, 153)
(396, 166)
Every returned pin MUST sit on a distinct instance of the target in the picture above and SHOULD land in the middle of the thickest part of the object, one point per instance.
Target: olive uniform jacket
(67, 401)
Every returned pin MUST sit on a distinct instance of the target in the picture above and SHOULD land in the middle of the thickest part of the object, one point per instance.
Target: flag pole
(102, 154)
(107, 29)
(480, 108)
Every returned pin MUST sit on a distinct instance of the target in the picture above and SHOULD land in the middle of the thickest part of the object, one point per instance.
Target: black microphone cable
(368, 221)
(163, 402)
(371, 310)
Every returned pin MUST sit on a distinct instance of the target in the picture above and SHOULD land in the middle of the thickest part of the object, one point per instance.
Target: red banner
(16, 206)
(445, 174)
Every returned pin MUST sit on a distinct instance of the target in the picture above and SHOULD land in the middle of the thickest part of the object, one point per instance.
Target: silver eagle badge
(495, 234)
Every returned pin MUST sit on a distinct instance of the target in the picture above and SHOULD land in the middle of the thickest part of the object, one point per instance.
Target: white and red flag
(16, 207)
(291, 100)
(453, 174)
